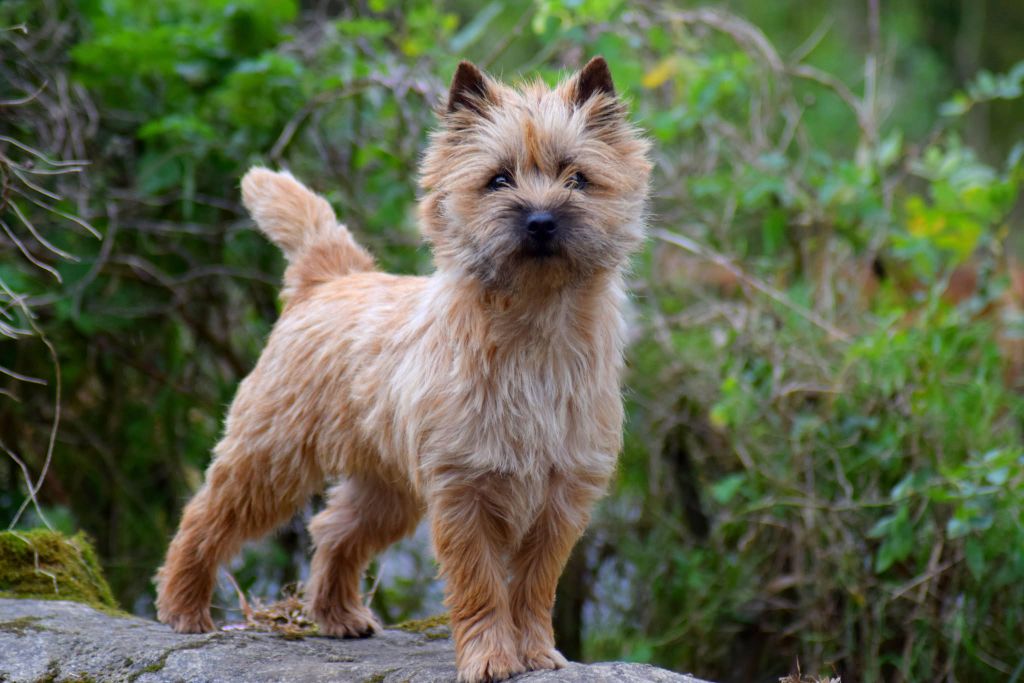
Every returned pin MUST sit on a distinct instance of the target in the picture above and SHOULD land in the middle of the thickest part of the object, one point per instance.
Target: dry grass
(286, 616)
(800, 677)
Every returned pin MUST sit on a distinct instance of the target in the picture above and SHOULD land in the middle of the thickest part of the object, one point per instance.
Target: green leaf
(723, 490)
(890, 148)
(898, 539)
(997, 477)
(958, 106)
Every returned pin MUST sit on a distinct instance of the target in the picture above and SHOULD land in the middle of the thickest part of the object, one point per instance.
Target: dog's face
(534, 188)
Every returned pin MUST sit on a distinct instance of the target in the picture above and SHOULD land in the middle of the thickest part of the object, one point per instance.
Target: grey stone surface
(42, 640)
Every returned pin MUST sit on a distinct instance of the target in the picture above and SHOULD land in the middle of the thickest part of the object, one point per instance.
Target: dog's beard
(510, 264)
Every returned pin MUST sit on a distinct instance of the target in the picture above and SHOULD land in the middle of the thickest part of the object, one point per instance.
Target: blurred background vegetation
(823, 460)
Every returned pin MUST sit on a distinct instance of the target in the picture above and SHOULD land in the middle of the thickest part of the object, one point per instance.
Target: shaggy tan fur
(485, 395)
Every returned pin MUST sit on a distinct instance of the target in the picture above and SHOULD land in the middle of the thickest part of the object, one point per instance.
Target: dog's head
(534, 187)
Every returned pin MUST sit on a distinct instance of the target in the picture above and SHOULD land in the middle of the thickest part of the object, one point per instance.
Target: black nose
(541, 226)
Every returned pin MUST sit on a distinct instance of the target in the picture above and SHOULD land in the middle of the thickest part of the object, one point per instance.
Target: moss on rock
(21, 625)
(435, 627)
(47, 565)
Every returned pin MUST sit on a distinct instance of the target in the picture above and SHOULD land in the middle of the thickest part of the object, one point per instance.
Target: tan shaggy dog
(485, 395)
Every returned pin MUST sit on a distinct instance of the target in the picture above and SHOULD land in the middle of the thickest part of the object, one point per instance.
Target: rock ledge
(50, 640)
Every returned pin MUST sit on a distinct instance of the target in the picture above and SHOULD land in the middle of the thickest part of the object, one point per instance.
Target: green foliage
(967, 201)
(823, 457)
(985, 88)
(857, 492)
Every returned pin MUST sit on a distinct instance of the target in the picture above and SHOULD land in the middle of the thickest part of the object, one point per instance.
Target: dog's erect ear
(594, 78)
(470, 90)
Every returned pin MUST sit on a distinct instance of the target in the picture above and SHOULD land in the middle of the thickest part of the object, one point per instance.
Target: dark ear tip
(595, 77)
(597, 69)
(466, 67)
(468, 84)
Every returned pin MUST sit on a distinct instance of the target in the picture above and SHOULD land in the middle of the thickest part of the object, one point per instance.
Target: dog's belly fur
(396, 383)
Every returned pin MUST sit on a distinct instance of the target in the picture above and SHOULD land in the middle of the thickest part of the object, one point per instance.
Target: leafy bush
(845, 413)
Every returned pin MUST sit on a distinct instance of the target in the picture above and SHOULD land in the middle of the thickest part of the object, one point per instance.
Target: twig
(35, 561)
(28, 479)
(27, 254)
(33, 490)
(373, 589)
(811, 73)
(23, 100)
(507, 39)
(242, 602)
(745, 33)
(20, 377)
(53, 209)
(817, 35)
(772, 293)
(871, 71)
(39, 238)
(318, 100)
(39, 155)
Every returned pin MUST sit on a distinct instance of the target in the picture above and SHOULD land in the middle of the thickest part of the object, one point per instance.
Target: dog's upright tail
(303, 225)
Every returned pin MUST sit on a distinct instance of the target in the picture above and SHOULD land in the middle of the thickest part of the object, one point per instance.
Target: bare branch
(769, 291)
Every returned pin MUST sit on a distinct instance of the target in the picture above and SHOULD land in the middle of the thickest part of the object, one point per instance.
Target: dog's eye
(499, 182)
(577, 181)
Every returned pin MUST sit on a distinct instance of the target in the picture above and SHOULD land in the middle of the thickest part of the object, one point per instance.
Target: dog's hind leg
(247, 494)
(364, 515)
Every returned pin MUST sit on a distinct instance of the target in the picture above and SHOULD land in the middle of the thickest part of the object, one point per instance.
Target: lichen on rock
(47, 565)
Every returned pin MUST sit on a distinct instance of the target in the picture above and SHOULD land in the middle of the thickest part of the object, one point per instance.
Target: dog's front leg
(538, 562)
(471, 532)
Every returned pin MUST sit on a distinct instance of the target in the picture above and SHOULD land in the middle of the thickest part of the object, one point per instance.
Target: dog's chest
(452, 389)
(529, 410)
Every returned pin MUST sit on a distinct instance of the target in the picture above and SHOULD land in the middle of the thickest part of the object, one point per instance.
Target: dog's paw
(549, 658)
(357, 622)
(489, 666)
(192, 622)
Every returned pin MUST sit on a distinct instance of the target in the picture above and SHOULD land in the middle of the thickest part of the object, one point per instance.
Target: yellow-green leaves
(661, 72)
(966, 203)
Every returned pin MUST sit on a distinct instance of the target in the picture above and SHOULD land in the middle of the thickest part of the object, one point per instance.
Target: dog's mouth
(542, 251)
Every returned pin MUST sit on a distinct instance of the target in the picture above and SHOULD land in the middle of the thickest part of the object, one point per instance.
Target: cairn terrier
(485, 396)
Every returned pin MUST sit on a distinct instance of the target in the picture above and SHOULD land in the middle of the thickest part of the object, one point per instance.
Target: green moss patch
(21, 625)
(46, 565)
(435, 627)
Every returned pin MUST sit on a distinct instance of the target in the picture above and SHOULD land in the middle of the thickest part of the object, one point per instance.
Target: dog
(485, 396)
